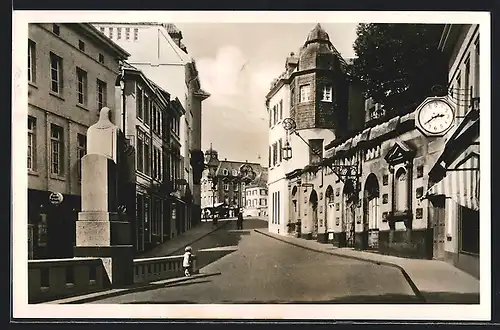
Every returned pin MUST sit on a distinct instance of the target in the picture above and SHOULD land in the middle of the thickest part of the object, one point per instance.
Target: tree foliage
(398, 64)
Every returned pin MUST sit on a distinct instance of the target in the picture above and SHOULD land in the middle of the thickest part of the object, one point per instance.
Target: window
(55, 29)
(127, 33)
(146, 110)
(101, 58)
(81, 88)
(110, 33)
(119, 33)
(269, 157)
(400, 190)
(101, 94)
(262, 202)
(55, 73)
(138, 94)
(281, 149)
(147, 158)
(305, 93)
(476, 67)
(81, 45)
(467, 81)
(235, 187)
(275, 115)
(31, 143)
(31, 61)
(292, 96)
(225, 172)
(136, 34)
(281, 109)
(327, 94)
(275, 154)
(81, 150)
(56, 149)
(262, 192)
(469, 233)
(315, 151)
(249, 192)
(226, 186)
(140, 151)
(102, 29)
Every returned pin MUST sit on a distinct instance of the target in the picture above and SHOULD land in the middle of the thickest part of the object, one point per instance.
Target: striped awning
(461, 184)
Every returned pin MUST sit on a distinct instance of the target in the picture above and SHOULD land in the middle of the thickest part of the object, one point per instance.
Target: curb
(221, 225)
(414, 288)
(119, 292)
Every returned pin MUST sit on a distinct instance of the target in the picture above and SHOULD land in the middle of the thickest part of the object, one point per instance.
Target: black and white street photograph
(267, 165)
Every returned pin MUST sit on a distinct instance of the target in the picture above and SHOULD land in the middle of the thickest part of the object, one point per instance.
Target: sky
(236, 64)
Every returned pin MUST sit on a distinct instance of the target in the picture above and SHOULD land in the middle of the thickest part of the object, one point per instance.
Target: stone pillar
(100, 232)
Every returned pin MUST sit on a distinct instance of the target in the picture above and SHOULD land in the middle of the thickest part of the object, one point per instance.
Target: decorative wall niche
(385, 180)
(419, 192)
(385, 198)
(419, 213)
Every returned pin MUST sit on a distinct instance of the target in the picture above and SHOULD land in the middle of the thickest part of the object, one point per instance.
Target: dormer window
(225, 172)
(327, 94)
(235, 173)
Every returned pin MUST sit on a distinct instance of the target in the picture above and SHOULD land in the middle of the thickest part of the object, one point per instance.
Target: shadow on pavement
(444, 298)
(451, 298)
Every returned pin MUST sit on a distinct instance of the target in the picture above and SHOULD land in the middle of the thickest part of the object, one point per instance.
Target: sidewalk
(433, 280)
(177, 244)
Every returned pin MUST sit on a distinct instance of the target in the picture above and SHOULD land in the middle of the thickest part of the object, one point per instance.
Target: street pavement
(255, 268)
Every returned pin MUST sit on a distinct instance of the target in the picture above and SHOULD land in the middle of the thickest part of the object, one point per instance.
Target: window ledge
(70, 285)
(33, 84)
(92, 282)
(328, 101)
(82, 106)
(34, 173)
(57, 177)
(44, 288)
(57, 96)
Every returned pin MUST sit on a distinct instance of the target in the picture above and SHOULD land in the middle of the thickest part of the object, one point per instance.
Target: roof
(235, 166)
(260, 180)
(101, 38)
(163, 95)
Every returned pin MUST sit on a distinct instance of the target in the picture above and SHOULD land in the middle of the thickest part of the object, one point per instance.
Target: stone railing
(159, 268)
(58, 278)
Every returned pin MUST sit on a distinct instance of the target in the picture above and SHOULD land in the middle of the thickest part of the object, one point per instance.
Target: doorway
(438, 222)
(313, 203)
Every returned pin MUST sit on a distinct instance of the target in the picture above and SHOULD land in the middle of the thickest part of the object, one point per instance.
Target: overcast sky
(236, 64)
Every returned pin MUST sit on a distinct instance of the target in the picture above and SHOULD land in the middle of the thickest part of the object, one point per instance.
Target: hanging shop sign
(56, 198)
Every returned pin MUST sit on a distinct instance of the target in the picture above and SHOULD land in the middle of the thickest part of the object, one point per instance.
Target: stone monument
(100, 232)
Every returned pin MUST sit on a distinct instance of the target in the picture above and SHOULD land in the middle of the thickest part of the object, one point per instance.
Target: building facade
(157, 51)
(455, 174)
(229, 194)
(392, 187)
(152, 129)
(312, 88)
(72, 72)
(256, 196)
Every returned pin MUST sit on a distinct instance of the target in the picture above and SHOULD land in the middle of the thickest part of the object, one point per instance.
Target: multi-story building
(152, 128)
(72, 72)
(229, 194)
(397, 185)
(314, 92)
(456, 170)
(256, 196)
(157, 51)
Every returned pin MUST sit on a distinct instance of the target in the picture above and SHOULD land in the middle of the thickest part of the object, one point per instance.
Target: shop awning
(461, 184)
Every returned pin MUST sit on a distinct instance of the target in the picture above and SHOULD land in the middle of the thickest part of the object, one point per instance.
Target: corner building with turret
(357, 176)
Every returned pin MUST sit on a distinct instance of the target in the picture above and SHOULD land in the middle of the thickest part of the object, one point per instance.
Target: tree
(398, 64)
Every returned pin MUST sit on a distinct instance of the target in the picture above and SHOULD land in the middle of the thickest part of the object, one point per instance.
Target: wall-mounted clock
(435, 116)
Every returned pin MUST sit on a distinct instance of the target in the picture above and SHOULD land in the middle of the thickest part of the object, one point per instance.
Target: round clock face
(436, 117)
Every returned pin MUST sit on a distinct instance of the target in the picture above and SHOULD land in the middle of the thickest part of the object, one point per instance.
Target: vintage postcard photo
(251, 165)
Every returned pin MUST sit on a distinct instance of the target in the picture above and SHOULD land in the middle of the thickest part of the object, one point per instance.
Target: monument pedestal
(100, 231)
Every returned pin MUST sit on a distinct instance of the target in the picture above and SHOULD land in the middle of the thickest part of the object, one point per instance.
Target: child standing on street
(187, 262)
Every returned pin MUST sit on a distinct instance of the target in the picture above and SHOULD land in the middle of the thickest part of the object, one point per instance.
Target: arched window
(401, 190)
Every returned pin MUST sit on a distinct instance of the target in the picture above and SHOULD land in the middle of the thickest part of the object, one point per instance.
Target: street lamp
(212, 166)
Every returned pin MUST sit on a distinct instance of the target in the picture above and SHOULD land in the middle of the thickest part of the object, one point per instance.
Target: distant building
(157, 50)
(72, 72)
(229, 194)
(256, 196)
